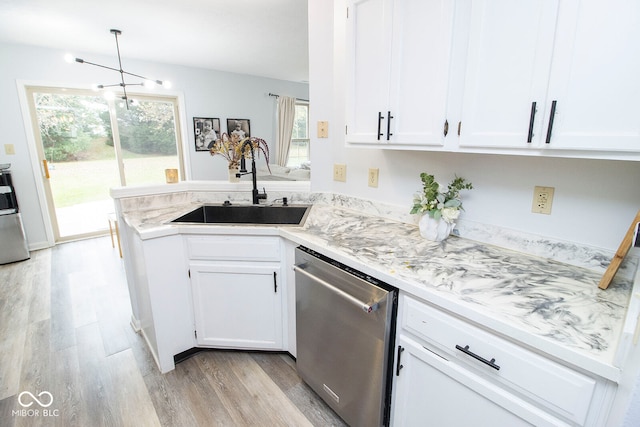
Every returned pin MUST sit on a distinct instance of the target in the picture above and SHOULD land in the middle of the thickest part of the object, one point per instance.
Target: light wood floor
(64, 329)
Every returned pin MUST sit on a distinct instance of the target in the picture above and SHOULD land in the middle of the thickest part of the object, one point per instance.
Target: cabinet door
(595, 76)
(397, 70)
(422, 31)
(510, 45)
(431, 390)
(237, 305)
(368, 63)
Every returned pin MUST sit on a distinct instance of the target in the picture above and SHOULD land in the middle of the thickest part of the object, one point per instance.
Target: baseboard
(151, 350)
(38, 245)
(135, 324)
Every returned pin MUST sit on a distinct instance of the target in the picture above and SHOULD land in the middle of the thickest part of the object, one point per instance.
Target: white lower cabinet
(451, 372)
(160, 294)
(237, 305)
(237, 291)
(431, 390)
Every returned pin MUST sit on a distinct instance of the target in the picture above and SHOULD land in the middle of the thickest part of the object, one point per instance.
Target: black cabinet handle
(275, 282)
(380, 117)
(491, 362)
(398, 365)
(551, 117)
(532, 119)
(446, 127)
(389, 117)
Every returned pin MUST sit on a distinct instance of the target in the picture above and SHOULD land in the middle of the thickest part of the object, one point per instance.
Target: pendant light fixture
(146, 82)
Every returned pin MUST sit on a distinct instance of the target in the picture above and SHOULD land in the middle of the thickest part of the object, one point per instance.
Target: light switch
(373, 177)
(340, 172)
(9, 149)
(323, 129)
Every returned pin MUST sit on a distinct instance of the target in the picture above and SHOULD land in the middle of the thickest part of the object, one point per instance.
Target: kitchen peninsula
(550, 311)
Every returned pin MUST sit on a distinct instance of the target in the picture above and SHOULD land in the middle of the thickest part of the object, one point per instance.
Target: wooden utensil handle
(625, 245)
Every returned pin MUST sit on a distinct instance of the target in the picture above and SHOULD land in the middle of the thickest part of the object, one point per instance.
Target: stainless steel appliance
(345, 328)
(13, 243)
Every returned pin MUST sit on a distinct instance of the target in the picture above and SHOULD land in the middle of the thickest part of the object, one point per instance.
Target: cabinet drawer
(560, 389)
(244, 248)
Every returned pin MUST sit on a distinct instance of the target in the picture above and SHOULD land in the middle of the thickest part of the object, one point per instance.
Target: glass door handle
(46, 169)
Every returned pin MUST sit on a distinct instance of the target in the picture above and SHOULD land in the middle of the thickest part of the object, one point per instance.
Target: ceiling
(260, 37)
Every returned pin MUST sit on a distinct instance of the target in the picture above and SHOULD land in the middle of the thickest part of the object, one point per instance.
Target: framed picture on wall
(206, 131)
(239, 128)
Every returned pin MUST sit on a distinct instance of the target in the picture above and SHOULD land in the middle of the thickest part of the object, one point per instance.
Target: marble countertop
(546, 305)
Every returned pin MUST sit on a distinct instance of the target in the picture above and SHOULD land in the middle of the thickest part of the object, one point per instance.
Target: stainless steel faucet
(256, 196)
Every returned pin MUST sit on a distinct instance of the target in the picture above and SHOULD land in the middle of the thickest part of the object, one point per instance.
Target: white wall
(205, 93)
(594, 202)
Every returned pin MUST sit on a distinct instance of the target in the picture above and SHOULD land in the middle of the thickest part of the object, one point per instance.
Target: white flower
(450, 214)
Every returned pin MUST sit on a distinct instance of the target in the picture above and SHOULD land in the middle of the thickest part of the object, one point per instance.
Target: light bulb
(69, 58)
(166, 84)
(149, 84)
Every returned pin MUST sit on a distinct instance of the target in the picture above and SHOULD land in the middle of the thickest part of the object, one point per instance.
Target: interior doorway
(87, 145)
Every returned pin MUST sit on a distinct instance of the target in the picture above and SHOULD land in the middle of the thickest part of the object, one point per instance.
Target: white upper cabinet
(510, 45)
(530, 77)
(368, 65)
(573, 58)
(595, 77)
(398, 55)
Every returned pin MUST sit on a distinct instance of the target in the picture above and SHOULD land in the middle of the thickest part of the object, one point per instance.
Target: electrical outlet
(340, 172)
(373, 177)
(542, 200)
(9, 149)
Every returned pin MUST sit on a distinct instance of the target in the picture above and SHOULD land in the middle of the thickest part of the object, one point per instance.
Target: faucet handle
(262, 195)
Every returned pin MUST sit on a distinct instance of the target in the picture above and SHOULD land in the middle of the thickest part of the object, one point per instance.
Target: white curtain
(286, 115)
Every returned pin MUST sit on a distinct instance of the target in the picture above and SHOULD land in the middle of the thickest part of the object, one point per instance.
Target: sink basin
(246, 214)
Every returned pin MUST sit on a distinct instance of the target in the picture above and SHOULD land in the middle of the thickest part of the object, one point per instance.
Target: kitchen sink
(246, 214)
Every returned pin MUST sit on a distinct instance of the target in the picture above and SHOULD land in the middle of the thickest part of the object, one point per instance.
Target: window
(299, 150)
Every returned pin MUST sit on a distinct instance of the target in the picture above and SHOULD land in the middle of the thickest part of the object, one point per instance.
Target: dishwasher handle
(367, 308)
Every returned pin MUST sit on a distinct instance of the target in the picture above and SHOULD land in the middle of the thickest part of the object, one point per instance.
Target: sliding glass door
(87, 145)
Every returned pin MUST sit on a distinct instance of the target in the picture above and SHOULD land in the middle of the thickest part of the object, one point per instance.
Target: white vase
(232, 175)
(434, 229)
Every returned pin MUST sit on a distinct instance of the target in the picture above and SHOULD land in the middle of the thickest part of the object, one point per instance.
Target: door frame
(30, 124)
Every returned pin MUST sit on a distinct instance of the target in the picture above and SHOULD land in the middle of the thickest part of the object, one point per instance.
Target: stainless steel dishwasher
(345, 328)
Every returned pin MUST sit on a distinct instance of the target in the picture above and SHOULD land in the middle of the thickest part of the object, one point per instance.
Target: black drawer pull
(389, 117)
(491, 362)
(398, 365)
(380, 117)
(551, 117)
(532, 119)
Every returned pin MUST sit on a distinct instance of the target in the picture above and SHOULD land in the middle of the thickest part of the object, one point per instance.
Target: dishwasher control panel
(357, 273)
